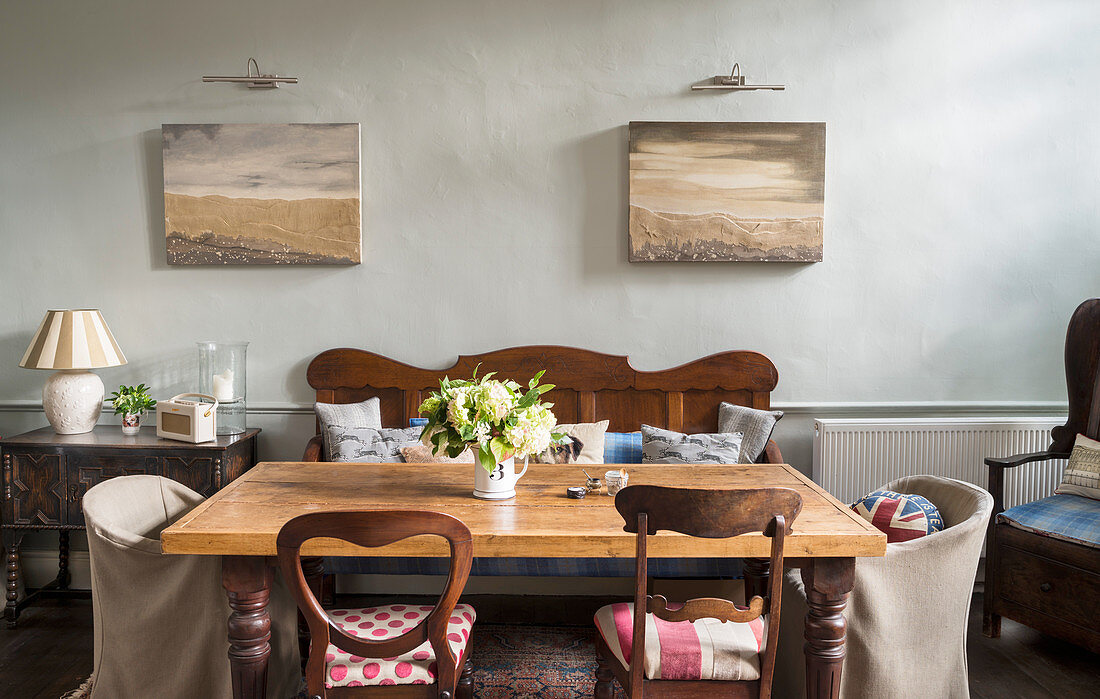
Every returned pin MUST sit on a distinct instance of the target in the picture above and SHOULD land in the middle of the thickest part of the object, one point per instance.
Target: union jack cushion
(899, 516)
(707, 649)
(379, 623)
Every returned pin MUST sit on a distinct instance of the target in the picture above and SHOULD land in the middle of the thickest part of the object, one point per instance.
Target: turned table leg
(247, 581)
(757, 571)
(828, 582)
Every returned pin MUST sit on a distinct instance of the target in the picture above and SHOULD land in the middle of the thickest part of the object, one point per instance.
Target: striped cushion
(622, 448)
(707, 649)
(342, 669)
(1070, 518)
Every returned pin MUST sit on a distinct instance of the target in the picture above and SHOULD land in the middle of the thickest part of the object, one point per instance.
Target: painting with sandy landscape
(726, 192)
(261, 194)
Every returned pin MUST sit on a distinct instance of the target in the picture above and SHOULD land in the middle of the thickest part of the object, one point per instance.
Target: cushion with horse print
(668, 447)
(368, 445)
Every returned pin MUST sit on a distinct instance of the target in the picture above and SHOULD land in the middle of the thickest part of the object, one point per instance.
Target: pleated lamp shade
(78, 339)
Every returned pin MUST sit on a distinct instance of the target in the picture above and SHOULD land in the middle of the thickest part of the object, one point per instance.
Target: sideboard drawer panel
(38, 490)
(87, 468)
(1046, 585)
(197, 473)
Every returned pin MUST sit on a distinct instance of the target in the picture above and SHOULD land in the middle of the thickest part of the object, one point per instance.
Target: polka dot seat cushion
(378, 623)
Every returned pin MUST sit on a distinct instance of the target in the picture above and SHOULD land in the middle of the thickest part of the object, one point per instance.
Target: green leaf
(498, 446)
(486, 459)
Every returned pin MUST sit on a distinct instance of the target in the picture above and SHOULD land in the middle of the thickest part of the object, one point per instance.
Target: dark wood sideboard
(45, 476)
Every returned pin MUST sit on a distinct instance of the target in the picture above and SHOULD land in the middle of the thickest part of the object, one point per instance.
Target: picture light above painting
(262, 194)
(726, 192)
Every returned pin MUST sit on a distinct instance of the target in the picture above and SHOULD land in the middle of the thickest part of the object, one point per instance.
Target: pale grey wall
(961, 212)
(961, 208)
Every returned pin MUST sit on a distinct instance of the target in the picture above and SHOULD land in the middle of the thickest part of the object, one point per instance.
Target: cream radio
(188, 420)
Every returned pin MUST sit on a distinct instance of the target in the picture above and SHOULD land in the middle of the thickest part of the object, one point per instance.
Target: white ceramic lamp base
(72, 400)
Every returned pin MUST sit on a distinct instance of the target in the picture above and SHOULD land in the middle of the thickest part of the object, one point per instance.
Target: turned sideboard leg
(64, 577)
(247, 581)
(828, 582)
(11, 608)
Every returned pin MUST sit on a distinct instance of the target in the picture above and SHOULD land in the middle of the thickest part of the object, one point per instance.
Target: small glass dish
(594, 485)
(616, 481)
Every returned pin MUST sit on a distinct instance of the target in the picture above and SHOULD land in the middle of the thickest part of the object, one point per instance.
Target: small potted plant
(131, 402)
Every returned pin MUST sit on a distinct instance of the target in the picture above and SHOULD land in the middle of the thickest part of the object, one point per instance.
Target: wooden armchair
(674, 658)
(398, 650)
(1050, 584)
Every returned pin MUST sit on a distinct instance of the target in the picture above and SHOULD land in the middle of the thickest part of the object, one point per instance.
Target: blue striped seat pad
(541, 567)
(1067, 517)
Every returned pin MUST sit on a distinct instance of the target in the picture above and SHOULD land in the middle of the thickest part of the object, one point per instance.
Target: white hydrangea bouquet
(496, 419)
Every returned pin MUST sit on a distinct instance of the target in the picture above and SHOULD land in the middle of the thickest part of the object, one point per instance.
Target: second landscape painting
(727, 192)
(261, 193)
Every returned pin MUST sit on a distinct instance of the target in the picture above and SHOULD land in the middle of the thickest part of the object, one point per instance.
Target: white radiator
(853, 457)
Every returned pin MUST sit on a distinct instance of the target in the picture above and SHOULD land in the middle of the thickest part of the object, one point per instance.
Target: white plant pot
(498, 484)
(131, 424)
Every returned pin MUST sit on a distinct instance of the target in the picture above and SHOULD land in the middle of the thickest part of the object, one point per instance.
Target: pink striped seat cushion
(707, 649)
(343, 669)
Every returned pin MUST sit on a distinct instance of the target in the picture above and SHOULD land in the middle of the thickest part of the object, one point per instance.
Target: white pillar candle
(223, 385)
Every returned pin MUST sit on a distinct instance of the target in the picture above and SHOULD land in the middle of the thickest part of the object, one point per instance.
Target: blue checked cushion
(1071, 518)
(542, 567)
(418, 422)
(622, 448)
(899, 516)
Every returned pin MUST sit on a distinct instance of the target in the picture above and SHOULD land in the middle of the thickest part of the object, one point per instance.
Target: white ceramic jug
(498, 484)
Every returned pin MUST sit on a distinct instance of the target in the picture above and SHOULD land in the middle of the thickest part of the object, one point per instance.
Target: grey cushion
(668, 447)
(367, 413)
(755, 425)
(370, 445)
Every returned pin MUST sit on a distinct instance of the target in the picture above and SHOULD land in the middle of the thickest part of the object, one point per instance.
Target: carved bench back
(591, 386)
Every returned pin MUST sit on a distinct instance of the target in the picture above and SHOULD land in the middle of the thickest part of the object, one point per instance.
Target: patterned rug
(511, 661)
(550, 662)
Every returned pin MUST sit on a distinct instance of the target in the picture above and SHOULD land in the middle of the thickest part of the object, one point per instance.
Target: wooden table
(242, 521)
(46, 475)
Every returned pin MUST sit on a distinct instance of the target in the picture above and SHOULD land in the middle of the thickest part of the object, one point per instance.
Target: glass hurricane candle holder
(223, 374)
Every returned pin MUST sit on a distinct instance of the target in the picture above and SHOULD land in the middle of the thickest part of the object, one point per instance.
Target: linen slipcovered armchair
(907, 612)
(160, 621)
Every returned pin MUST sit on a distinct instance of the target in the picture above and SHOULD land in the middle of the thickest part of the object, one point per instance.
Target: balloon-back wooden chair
(706, 646)
(396, 650)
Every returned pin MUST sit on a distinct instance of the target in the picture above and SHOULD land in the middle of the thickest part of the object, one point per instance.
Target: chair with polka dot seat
(406, 650)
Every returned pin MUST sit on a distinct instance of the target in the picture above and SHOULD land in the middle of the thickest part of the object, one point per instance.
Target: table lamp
(71, 342)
